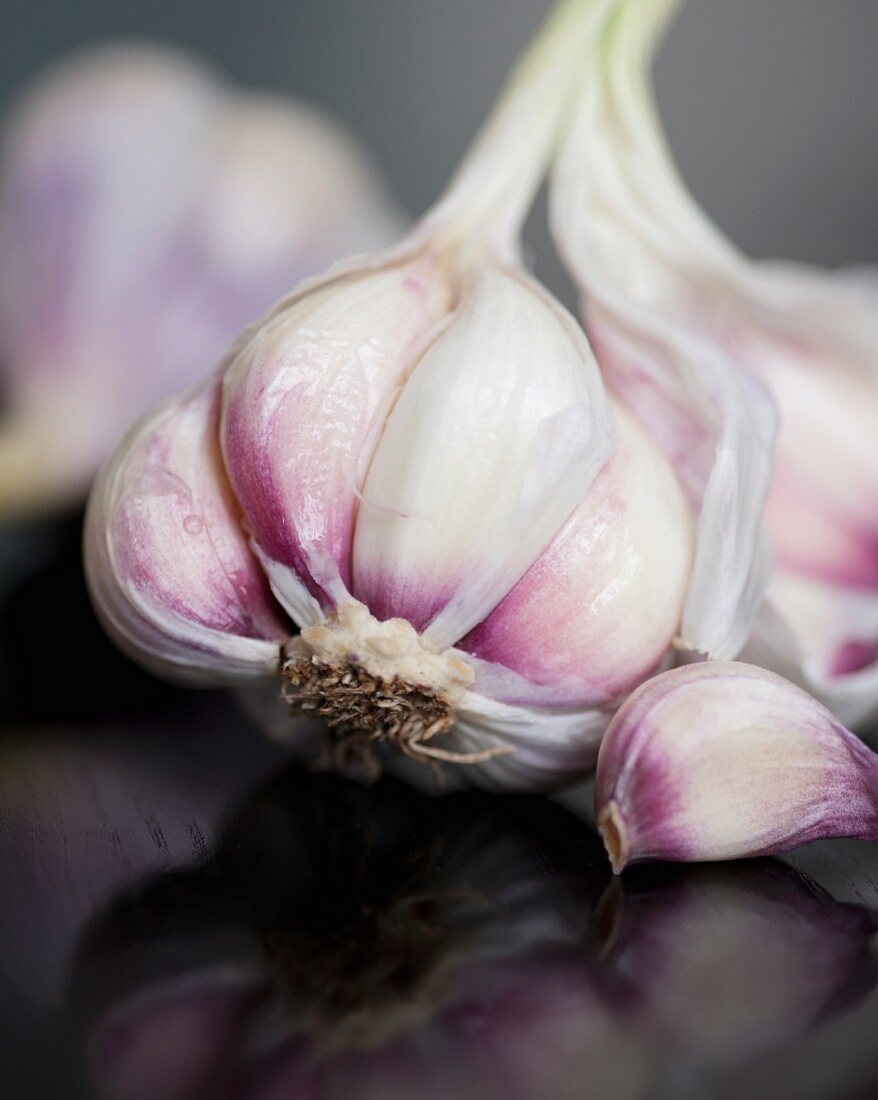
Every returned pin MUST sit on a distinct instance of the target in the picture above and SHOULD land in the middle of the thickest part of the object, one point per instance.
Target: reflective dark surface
(183, 916)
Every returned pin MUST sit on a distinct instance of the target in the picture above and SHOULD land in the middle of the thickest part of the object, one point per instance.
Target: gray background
(770, 104)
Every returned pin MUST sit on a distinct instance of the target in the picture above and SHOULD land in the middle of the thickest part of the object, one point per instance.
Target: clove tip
(614, 836)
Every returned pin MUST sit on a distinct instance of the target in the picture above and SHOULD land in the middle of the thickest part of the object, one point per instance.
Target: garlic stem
(629, 43)
(489, 195)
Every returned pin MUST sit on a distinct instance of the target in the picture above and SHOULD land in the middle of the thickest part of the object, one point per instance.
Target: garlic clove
(307, 395)
(168, 566)
(720, 760)
(598, 610)
(85, 209)
(304, 400)
(494, 439)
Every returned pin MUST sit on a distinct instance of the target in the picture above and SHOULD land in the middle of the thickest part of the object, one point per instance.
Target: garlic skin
(167, 562)
(499, 430)
(574, 627)
(147, 213)
(721, 760)
(667, 295)
(482, 550)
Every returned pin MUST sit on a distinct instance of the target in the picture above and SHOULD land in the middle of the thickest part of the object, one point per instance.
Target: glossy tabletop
(186, 916)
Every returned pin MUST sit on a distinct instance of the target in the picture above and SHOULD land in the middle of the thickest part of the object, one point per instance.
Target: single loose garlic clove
(720, 760)
(167, 563)
(147, 213)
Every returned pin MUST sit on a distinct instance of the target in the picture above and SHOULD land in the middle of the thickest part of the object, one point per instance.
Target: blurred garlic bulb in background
(484, 551)
(147, 213)
(667, 296)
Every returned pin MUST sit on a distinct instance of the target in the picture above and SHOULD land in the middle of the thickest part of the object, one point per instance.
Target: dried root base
(363, 711)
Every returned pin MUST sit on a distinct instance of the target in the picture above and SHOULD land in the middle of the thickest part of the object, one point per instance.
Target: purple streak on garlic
(147, 213)
(598, 610)
(167, 561)
(668, 295)
(305, 400)
(824, 636)
(720, 760)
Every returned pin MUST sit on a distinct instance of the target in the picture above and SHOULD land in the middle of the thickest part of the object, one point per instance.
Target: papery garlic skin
(667, 294)
(147, 213)
(421, 435)
(720, 760)
(169, 568)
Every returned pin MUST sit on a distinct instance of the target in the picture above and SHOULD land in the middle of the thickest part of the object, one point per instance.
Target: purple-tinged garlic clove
(494, 440)
(167, 562)
(599, 608)
(721, 760)
(304, 402)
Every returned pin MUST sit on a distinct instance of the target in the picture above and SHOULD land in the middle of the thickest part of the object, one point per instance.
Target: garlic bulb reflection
(147, 213)
(720, 760)
(482, 550)
(354, 942)
(731, 960)
(667, 294)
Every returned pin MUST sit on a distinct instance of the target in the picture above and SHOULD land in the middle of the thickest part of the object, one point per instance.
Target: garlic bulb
(147, 213)
(668, 296)
(719, 760)
(484, 550)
